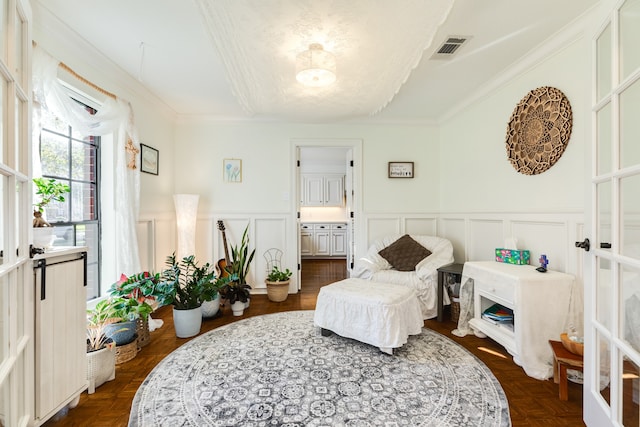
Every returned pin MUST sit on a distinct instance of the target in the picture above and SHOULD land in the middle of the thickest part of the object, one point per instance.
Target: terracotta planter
(277, 291)
(187, 323)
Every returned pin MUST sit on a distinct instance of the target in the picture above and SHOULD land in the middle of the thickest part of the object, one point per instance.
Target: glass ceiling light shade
(315, 66)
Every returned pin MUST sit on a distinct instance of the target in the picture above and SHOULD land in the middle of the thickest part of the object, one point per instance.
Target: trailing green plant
(49, 191)
(276, 275)
(103, 314)
(211, 289)
(241, 258)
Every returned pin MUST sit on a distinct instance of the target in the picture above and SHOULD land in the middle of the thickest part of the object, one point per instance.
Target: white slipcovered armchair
(424, 279)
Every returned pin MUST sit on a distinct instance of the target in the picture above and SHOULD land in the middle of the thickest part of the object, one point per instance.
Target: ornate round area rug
(277, 370)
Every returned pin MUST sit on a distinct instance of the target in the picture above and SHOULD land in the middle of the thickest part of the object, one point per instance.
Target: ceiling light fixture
(316, 66)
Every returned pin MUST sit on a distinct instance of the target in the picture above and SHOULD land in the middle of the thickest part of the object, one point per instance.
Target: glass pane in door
(629, 226)
(603, 58)
(3, 187)
(630, 393)
(630, 280)
(630, 125)
(3, 118)
(604, 292)
(4, 319)
(3, 30)
(603, 198)
(19, 49)
(604, 366)
(629, 36)
(603, 122)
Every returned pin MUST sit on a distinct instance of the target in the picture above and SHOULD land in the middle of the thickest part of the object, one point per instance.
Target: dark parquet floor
(531, 402)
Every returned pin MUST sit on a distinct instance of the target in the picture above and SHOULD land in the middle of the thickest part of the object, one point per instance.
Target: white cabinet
(540, 303)
(338, 239)
(60, 330)
(323, 239)
(322, 190)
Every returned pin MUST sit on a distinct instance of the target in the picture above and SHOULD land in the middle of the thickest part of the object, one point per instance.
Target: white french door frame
(606, 348)
(16, 287)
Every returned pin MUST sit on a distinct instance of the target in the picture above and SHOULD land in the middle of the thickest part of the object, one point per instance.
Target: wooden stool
(563, 359)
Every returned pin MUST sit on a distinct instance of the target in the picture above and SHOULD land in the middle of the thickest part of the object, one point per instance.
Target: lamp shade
(316, 66)
(186, 212)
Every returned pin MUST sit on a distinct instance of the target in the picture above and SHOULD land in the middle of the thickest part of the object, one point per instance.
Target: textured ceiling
(168, 47)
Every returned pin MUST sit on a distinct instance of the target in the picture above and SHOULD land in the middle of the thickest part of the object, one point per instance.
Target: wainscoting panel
(454, 229)
(378, 227)
(270, 233)
(421, 226)
(543, 238)
(146, 236)
(165, 241)
(484, 236)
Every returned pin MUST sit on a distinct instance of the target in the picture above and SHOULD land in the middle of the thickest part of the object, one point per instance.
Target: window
(74, 160)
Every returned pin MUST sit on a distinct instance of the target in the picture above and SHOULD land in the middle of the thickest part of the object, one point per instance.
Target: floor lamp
(186, 212)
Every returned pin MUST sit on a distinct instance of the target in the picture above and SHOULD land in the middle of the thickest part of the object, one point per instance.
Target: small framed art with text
(400, 169)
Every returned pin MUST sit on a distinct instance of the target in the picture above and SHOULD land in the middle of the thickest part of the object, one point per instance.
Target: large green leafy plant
(183, 283)
(49, 190)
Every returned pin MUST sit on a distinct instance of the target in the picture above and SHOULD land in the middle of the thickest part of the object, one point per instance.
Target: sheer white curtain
(114, 117)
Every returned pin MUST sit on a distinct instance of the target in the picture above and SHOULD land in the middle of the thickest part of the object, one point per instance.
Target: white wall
(484, 200)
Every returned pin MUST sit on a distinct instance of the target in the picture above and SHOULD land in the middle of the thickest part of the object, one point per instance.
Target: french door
(612, 310)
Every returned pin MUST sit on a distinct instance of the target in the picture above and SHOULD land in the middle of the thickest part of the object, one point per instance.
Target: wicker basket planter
(277, 291)
(126, 352)
(101, 367)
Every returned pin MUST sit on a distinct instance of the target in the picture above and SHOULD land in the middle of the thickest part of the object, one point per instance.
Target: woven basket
(142, 329)
(455, 311)
(277, 291)
(126, 352)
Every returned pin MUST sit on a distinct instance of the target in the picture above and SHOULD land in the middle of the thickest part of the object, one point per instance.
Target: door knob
(585, 244)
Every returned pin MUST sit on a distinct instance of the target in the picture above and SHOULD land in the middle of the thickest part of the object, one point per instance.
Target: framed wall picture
(400, 169)
(232, 170)
(149, 159)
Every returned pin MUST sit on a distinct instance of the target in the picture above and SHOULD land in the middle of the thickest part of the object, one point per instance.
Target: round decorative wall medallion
(539, 130)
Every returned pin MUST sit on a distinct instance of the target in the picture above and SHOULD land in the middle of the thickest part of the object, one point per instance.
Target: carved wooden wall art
(539, 130)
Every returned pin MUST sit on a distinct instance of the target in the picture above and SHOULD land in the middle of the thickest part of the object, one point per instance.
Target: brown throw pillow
(405, 253)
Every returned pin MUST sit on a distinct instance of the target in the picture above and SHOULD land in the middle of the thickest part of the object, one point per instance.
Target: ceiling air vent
(449, 47)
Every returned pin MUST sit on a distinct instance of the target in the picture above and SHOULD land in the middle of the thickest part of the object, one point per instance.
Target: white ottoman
(379, 314)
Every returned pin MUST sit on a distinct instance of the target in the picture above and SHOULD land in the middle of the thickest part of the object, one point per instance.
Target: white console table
(540, 304)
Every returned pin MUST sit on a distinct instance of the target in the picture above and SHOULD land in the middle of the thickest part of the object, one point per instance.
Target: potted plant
(129, 310)
(237, 294)
(239, 268)
(141, 287)
(211, 296)
(182, 285)
(278, 284)
(101, 355)
(49, 191)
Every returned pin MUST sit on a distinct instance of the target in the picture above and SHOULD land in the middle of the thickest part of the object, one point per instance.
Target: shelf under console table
(540, 304)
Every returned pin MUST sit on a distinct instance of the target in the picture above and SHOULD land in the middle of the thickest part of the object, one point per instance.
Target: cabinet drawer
(320, 227)
(501, 290)
(307, 227)
(338, 226)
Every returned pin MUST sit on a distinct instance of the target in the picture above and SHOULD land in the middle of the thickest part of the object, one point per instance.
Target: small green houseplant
(278, 284)
(49, 191)
(237, 291)
(101, 354)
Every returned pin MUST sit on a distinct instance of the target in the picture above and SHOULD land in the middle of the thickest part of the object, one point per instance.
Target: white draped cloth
(380, 314)
(541, 305)
(114, 117)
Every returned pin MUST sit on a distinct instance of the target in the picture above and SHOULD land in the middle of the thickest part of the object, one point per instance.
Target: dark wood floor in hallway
(531, 402)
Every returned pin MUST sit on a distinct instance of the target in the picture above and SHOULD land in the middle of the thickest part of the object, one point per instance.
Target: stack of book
(499, 315)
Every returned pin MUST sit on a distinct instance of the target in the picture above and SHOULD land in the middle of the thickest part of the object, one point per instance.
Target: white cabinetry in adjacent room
(322, 190)
(323, 239)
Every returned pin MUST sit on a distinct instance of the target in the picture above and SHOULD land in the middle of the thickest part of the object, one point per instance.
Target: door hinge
(352, 214)
(298, 163)
(351, 163)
